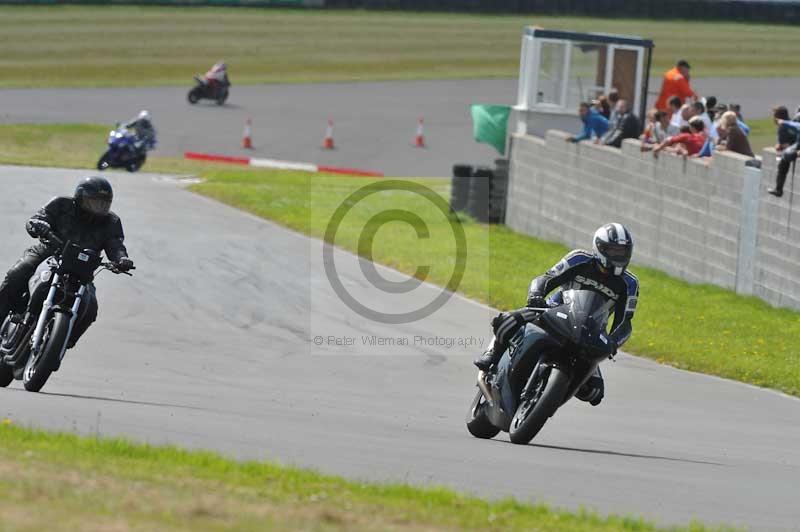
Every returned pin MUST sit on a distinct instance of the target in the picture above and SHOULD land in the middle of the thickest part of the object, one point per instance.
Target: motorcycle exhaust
(484, 388)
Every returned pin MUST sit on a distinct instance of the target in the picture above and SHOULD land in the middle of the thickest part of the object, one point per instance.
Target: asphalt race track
(211, 345)
(374, 122)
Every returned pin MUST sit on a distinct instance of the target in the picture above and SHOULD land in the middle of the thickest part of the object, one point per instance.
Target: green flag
(489, 124)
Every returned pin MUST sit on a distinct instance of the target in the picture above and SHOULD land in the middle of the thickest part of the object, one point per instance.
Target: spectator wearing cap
(687, 143)
(676, 83)
(627, 126)
(733, 137)
(594, 124)
(787, 146)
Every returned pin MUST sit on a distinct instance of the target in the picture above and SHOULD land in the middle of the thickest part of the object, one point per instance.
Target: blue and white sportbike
(125, 150)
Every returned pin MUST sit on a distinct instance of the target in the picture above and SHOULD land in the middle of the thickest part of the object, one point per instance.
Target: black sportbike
(545, 364)
(202, 89)
(33, 342)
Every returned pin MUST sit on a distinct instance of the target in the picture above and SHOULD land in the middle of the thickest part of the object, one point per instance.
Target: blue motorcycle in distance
(124, 151)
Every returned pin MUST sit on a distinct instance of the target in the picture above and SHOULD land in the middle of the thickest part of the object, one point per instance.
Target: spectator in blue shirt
(744, 127)
(594, 124)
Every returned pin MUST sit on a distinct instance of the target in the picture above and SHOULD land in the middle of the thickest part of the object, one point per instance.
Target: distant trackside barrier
(280, 165)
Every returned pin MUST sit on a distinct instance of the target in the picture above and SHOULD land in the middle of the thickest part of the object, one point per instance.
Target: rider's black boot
(488, 359)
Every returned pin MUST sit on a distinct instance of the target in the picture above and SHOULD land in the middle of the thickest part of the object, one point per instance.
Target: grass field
(63, 482)
(144, 46)
(698, 327)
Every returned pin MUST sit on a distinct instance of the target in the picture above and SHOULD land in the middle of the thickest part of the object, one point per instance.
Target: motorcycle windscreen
(581, 319)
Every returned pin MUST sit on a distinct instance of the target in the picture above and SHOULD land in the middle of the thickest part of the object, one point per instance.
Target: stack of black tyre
(480, 191)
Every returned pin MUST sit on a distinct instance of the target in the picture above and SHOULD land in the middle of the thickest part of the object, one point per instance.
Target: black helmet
(613, 247)
(93, 195)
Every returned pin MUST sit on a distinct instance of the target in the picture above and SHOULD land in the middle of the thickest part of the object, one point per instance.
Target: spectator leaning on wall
(711, 106)
(733, 138)
(687, 143)
(676, 83)
(681, 119)
(626, 127)
(601, 106)
(594, 124)
(613, 98)
(787, 146)
(700, 110)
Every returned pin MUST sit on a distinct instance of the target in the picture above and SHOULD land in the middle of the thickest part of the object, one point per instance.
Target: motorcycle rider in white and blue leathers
(605, 270)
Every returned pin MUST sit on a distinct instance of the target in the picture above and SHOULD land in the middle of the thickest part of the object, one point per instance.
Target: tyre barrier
(480, 191)
(459, 187)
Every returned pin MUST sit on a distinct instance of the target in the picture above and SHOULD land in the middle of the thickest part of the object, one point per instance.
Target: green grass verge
(65, 482)
(80, 46)
(762, 134)
(698, 327)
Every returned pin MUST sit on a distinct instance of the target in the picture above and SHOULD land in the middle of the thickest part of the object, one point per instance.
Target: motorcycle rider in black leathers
(604, 271)
(85, 220)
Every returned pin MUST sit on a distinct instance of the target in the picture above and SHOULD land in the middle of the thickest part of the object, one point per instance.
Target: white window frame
(530, 61)
(530, 87)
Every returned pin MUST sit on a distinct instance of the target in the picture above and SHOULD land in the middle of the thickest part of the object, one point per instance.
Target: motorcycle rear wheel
(222, 97)
(39, 367)
(477, 423)
(137, 164)
(533, 412)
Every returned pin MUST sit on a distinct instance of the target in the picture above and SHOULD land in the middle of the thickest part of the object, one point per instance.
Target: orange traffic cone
(247, 141)
(419, 138)
(328, 142)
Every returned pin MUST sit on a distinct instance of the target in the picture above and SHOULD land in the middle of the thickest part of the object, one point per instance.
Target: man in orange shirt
(676, 83)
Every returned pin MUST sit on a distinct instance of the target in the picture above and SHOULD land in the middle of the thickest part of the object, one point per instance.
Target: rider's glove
(536, 301)
(612, 346)
(506, 324)
(39, 228)
(124, 264)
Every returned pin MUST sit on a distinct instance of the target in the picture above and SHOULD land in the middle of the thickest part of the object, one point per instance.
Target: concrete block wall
(562, 191)
(777, 259)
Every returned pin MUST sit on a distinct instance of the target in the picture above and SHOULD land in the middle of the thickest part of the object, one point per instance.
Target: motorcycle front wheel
(104, 162)
(193, 96)
(534, 411)
(41, 365)
(477, 423)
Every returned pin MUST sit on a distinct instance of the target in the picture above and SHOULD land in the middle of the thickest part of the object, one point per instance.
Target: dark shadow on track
(211, 104)
(628, 455)
(113, 400)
